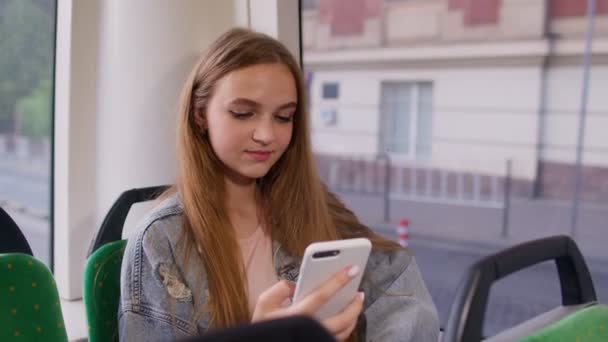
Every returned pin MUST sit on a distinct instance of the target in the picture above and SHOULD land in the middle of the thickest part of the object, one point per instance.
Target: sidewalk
(24, 185)
(528, 220)
(28, 167)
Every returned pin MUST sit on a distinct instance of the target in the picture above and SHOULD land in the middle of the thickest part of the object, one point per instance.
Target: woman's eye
(241, 115)
(284, 118)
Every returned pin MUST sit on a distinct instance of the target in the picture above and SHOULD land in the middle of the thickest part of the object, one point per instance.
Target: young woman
(223, 247)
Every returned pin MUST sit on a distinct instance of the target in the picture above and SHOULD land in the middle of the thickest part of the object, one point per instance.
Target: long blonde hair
(297, 208)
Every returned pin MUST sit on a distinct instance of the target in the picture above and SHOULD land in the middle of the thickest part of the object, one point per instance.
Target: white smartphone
(321, 261)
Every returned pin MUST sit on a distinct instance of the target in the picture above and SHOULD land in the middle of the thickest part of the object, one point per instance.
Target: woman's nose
(264, 131)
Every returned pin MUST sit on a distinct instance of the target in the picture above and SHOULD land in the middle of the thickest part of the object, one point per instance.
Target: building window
(406, 119)
(330, 90)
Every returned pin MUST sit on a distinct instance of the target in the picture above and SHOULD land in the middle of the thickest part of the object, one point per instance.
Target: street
(447, 239)
(513, 299)
(29, 191)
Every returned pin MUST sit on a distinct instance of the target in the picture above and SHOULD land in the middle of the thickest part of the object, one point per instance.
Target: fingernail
(353, 271)
(362, 295)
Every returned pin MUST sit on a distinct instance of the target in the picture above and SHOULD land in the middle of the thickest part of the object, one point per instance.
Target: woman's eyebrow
(287, 106)
(247, 102)
(244, 102)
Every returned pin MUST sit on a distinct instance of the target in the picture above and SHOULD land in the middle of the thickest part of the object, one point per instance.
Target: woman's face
(249, 118)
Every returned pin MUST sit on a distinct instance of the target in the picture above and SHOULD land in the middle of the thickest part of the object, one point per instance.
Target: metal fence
(378, 176)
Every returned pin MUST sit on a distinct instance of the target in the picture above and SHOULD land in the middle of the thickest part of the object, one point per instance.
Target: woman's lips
(259, 155)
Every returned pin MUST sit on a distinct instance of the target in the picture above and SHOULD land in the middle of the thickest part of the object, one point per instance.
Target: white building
(461, 85)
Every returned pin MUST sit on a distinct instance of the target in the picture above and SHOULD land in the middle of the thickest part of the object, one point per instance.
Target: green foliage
(34, 111)
(27, 40)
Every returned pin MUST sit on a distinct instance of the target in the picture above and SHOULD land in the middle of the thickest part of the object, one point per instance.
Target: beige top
(257, 257)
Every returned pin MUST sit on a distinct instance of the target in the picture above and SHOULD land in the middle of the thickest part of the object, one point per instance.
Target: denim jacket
(162, 299)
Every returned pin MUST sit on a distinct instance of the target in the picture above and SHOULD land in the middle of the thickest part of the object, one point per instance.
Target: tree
(34, 111)
(27, 37)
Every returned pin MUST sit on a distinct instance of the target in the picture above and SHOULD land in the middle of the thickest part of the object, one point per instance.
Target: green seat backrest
(29, 302)
(102, 291)
(587, 325)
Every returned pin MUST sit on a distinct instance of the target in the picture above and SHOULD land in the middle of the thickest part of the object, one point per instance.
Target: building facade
(462, 85)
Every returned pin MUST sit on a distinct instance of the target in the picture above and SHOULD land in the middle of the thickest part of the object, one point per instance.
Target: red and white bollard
(403, 232)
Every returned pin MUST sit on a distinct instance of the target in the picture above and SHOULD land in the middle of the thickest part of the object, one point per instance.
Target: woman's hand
(270, 303)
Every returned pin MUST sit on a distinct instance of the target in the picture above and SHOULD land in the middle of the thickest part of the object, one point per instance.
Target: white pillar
(124, 63)
(279, 19)
(145, 52)
(74, 144)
